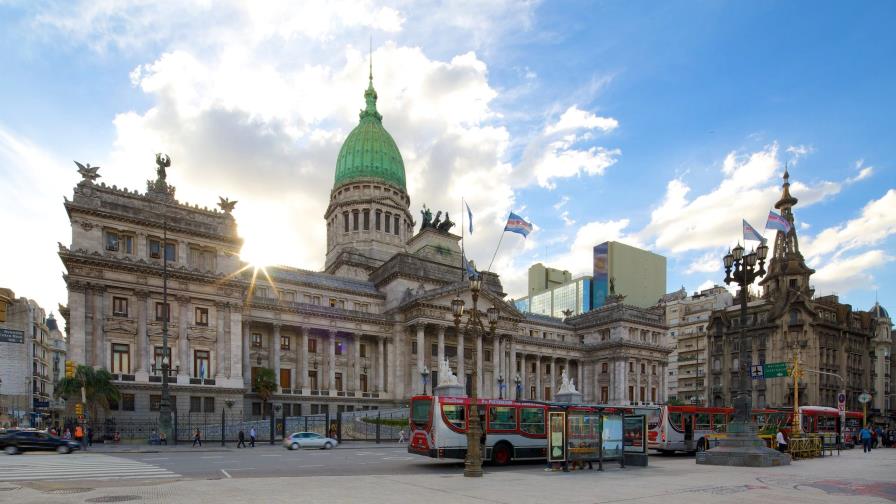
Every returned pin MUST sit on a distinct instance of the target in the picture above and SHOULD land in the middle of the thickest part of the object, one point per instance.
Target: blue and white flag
(202, 369)
(516, 224)
(470, 215)
(776, 221)
(750, 233)
(468, 266)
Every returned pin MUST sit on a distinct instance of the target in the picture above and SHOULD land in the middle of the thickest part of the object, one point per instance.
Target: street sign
(12, 336)
(864, 397)
(841, 401)
(775, 370)
(756, 372)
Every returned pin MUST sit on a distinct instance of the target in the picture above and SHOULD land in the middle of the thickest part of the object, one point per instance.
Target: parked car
(309, 440)
(32, 440)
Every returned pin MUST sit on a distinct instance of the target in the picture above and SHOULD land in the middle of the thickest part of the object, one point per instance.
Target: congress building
(357, 335)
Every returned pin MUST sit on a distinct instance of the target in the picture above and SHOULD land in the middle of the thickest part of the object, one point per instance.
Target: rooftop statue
(163, 161)
(436, 223)
(225, 204)
(426, 220)
(89, 173)
(446, 225)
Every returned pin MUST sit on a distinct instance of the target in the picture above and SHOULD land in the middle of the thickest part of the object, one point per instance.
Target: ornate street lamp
(424, 375)
(474, 327)
(518, 381)
(501, 386)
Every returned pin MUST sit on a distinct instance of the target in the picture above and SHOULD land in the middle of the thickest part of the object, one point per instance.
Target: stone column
(441, 346)
(637, 397)
(99, 339)
(661, 393)
(524, 387)
(356, 379)
(296, 384)
(580, 377)
(496, 364)
(331, 366)
(247, 365)
(220, 341)
(142, 339)
(620, 379)
(539, 391)
(396, 362)
(380, 364)
(303, 362)
(421, 329)
(76, 331)
(235, 343)
(275, 353)
(183, 344)
(461, 365)
(512, 368)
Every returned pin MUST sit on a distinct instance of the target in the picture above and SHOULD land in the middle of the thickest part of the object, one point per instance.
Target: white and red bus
(827, 420)
(514, 430)
(689, 428)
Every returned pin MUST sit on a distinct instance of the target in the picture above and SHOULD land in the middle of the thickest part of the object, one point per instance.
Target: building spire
(370, 59)
(370, 94)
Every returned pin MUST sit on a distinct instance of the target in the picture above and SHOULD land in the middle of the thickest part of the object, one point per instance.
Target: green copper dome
(369, 151)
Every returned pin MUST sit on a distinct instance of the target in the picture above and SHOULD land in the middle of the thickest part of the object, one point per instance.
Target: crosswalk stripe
(68, 467)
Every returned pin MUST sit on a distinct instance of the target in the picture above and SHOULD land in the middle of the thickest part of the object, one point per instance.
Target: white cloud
(864, 172)
(560, 204)
(842, 275)
(567, 220)
(798, 152)
(575, 118)
(709, 262)
(876, 222)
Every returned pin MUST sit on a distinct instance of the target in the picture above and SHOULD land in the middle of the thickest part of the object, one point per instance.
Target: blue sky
(657, 124)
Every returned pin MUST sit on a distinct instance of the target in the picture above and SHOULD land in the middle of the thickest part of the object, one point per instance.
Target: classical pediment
(120, 326)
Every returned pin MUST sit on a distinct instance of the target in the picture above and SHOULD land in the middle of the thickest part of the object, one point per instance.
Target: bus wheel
(501, 454)
(702, 445)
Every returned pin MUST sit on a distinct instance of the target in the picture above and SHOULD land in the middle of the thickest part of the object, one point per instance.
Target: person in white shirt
(782, 443)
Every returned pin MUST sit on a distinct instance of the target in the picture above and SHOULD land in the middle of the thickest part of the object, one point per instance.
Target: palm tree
(98, 389)
(265, 384)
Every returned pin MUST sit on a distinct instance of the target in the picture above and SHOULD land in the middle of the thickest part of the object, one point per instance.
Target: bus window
(760, 420)
(502, 418)
(718, 422)
(455, 414)
(806, 423)
(420, 409)
(826, 424)
(675, 420)
(702, 421)
(532, 420)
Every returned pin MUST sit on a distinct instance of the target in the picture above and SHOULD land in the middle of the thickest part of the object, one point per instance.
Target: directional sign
(775, 370)
(756, 372)
(864, 397)
(841, 401)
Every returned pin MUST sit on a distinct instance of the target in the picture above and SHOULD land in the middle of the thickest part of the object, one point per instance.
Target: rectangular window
(285, 377)
(363, 383)
(362, 307)
(155, 249)
(378, 216)
(366, 220)
(434, 350)
(604, 395)
(121, 358)
(395, 226)
(641, 394)
(340, 345)
(127, 402)
(209, 404)
(532, 392)
(256, 340)
(284, 342)
(388, 222)
(120, 306)
(345, 221)
(155, 402)
(339, 382)
(532, 420)
(201, 364)
(534, 368)
(643, 368)
(456, 415)
(631, 367)
(502, 418)
(547, 393)
(261, 292)
(414, 348)
(163, 312)
(653, 394)
(468, 353)
(170, 252)
(363, 350)
(201, 316)
(487, 355)
(289, 296)
(312, 345)
(195, 404)
(354, 221)
(604, 368)
(631, 393)
(157, 354)
(312, 380)
(653, 369)
(112, 241)
(450, 351)
(256, 409)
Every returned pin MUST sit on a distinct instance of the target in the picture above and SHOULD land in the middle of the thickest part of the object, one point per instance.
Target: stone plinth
(569, 397)
(437, 246)
(449, 391)
(743, 448)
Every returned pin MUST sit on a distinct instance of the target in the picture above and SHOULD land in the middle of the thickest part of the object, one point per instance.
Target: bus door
(688, 431)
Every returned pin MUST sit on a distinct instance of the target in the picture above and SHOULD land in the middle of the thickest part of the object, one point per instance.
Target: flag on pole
(468, 267)
(470, 215)
(750, 233)
(516, 224)
(202, 369)
(776, 221)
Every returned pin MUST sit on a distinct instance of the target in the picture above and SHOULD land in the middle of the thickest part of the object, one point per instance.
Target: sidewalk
(215, 446)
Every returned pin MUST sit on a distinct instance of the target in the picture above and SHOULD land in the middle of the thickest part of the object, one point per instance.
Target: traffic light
(69, 369)
(79, 409)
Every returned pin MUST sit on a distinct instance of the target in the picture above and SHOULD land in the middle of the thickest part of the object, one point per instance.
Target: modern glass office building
(573, 297)
(637, 274)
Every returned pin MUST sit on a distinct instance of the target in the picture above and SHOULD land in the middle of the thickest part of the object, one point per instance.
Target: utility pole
(796, 373)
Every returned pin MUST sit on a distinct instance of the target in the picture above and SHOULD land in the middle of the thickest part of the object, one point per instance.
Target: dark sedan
(28, 440)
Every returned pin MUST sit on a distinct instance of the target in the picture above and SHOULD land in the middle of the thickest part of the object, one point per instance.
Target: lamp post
(501, 386)
(424, 375)
(165, 400)
(744, 273)
(518, 381)
(475, 327)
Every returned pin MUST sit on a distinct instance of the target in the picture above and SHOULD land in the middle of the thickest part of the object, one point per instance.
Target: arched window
(354, 220)
(345, 220)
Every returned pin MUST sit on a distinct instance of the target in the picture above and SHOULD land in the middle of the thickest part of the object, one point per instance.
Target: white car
(309, 440)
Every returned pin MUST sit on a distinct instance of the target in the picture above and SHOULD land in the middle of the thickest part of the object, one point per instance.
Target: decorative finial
(786, 173)
(88, 173)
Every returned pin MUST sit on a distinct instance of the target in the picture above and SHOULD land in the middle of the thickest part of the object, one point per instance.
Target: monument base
(449, 391)
(569, 397)
(742, 448)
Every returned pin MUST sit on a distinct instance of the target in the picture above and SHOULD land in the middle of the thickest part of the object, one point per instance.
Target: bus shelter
(593, 434)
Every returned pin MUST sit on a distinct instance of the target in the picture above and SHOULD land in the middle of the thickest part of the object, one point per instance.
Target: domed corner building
(354, 336)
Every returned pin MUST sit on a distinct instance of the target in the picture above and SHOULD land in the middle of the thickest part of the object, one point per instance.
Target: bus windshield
(420, 410)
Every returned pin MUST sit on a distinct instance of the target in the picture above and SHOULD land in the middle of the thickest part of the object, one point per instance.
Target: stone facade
(852, 346)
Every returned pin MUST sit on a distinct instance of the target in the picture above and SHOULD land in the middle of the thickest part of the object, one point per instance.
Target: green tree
(265, 384)
(98, 388)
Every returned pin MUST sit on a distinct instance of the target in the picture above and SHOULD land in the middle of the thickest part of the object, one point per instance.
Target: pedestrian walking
(252, 435)
(782, 441)
(865, 436)
(879, 437)
(163, 439)
(242, 439)
(79, 434)
(89, 436)
(197, 438)
(401, 437)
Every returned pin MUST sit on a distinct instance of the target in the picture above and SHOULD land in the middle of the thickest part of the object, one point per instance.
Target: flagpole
(462, 234)
(496, 250)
